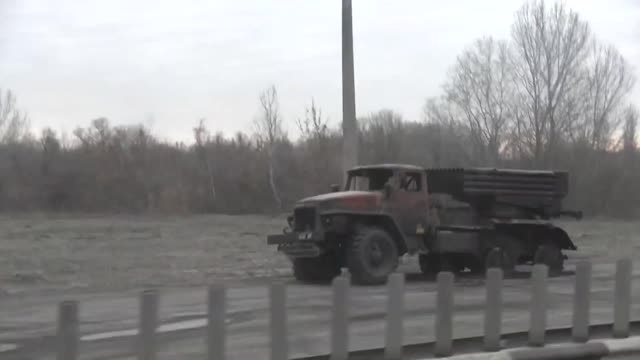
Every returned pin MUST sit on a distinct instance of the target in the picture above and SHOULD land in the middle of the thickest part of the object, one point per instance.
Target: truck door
(411, 206)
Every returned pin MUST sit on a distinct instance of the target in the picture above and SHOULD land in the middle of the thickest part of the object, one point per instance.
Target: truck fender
(540, 232)
(388, 223)
(562, 239)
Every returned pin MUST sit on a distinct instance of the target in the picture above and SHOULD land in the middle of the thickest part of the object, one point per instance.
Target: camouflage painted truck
(453, 219)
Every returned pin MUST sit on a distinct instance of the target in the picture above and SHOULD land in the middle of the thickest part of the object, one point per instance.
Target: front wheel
(499, 258)
(372, 256)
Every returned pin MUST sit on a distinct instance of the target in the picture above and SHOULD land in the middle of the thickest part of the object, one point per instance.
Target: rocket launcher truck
(459, 219)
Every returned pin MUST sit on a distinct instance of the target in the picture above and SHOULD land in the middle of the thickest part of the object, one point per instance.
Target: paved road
(108, 320)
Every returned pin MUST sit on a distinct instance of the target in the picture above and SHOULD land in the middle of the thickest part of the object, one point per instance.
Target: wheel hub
(375, 254)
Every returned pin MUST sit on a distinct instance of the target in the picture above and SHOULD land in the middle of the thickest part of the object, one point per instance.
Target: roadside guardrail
(581, 345)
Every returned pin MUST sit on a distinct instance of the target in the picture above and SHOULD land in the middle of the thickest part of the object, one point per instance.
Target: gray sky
(177, 61)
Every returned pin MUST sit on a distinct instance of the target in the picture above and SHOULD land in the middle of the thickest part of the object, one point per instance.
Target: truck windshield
(368, 180)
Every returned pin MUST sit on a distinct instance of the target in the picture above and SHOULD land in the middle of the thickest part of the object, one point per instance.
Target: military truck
(462, 219)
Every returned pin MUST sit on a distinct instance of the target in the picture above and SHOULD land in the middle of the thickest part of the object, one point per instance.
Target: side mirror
(334, 188)
(388, 189)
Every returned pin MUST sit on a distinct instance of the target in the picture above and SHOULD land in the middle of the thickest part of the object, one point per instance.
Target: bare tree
(480, 85)
(608, 81)
(269, 132)
(448, 135)
(99, 134)
(202, 138)
(437, 110)
(383, 133)
(629, 131)
(313, 126)
(50, 146)
(315, 140)
(14, 124)
(551, 45)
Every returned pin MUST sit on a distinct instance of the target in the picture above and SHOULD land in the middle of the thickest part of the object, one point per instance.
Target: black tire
(477, 265)
(432, 264)
(499, 258)
(493, 259)
(449, 263)
(429, 264)
(320, 269)
(550, 255)
(372, 256)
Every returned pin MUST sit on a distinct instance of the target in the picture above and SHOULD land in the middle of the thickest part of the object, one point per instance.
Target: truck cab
(381, 213)
(404, 197)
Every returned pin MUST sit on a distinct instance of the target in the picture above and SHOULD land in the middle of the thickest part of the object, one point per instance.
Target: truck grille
(304, 218)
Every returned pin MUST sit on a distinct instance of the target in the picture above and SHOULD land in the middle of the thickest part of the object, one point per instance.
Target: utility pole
(349, 124)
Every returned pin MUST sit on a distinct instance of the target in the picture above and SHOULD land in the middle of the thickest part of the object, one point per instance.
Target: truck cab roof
(405, 167)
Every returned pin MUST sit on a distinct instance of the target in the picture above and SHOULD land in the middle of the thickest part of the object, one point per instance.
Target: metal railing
(67, 338)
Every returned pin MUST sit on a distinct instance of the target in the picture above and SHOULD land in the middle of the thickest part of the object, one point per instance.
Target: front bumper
(294, 244)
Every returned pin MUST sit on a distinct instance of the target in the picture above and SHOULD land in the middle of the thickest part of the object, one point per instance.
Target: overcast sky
(170, 63)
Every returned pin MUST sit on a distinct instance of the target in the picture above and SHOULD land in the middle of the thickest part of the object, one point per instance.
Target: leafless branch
(14, 124)
(551, 45)
(480, 86)
(269, 132)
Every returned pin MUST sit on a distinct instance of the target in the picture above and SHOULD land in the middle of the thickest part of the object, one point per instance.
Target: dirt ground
(100, 261)
(111, 253)
(40, 252)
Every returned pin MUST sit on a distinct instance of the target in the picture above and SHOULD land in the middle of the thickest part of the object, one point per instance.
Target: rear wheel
(551, 255)
(431, 264)
(372, 256)
(500, 258)
(321, 269)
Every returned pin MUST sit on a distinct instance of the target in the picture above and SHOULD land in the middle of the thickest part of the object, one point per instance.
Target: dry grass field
(105, 253)
(40, 252)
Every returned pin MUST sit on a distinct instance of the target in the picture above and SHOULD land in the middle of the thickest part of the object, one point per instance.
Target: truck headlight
(334, 222)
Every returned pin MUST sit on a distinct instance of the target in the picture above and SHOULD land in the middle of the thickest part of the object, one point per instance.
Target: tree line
(552, 96)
